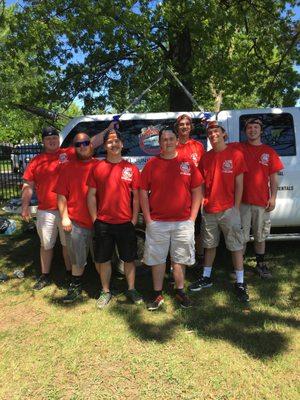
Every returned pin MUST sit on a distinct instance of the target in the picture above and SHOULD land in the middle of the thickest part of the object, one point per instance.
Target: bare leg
(46, 259)
(179, 274)
(66, 258)
(158, 273)
(77, 271)
(104, 270)
(237, 260)
(260, 247)
(209, 257)
(129, 268)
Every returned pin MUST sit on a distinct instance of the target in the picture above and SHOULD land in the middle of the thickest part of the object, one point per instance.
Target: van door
(281, 132)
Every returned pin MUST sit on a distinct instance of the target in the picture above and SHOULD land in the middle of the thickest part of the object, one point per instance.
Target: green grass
(218, 350)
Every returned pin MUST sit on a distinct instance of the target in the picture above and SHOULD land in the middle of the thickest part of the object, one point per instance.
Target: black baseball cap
(49, 131)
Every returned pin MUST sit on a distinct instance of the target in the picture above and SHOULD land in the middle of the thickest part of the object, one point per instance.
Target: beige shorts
(258, 220)
(228, 222)
(48, 225)
(178, 237)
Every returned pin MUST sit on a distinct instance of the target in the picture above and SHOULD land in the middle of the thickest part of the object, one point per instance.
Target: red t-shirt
(192, 150)
(43, 170)
(219, 170)
(114, 184)
(170, 183)
(262, 161)
(71, 183)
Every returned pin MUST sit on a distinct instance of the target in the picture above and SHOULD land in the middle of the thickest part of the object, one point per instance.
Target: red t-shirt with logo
(114, 183)
(192, 150)
(262, 161)
(43, 170)
(71, 183)
(170, 183)
(219, 170)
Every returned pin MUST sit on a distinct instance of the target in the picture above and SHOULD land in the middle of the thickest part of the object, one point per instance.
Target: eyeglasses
(85, 143)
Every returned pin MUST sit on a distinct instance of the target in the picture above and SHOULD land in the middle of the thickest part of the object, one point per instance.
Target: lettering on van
(285, 188)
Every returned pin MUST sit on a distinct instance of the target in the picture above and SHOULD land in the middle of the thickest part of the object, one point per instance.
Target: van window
(279, 132)
(140, 137)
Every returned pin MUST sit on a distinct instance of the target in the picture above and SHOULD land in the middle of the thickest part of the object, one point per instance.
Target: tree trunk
(180, 55)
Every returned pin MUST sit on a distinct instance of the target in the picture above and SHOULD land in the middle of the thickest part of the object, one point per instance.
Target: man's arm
(144, 200)
(92, 203)
(27, 191)
(197, 196)
(63, 210)
(238, 192)
(273, 191)
(97, 140)
(135, 206)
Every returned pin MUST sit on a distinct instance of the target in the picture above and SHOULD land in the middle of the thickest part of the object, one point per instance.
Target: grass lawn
(217, 350)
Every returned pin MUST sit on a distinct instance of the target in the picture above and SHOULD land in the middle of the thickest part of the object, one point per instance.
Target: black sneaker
(263, 271)
(156, 303)
(134, 296)
(42, 282)
(241, 292)
(200, 284)
(183, 300)
(74, 293)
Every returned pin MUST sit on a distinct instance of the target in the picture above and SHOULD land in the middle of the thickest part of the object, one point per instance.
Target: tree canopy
(228, 53)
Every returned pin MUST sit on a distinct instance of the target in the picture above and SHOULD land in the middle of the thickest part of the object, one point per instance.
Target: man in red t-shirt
(41, 175)
(263, 165)
(170, 198)
(113, 203)
(222, 169)
(71, 189)
(192, 150)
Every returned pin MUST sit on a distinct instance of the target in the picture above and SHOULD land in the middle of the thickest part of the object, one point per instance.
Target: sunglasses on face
(84, 143)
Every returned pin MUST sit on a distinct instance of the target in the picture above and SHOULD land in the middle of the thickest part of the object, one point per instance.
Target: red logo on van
(148, 140)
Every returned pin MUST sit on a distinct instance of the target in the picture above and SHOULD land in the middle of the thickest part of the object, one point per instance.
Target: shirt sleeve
(29, 171)
(61, 186)
(276, 163)
(91, 181)
(145, 177)
(197, 178)
(240, 162)
(136, 178)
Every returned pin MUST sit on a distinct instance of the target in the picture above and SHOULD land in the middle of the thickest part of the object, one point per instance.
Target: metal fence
(13, 161)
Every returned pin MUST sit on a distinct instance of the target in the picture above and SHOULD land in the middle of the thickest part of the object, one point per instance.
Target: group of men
(94, 205)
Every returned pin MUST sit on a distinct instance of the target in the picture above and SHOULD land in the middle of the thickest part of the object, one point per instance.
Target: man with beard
(71, 189)
(113, 204)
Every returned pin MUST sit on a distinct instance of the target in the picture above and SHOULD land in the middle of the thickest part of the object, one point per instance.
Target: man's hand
(271, 204)
(134, 221)
(25, 213)
(66, 224)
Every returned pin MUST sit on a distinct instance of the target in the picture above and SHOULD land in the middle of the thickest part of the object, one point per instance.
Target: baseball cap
(253, 121)
(49, 131)
(213, 125)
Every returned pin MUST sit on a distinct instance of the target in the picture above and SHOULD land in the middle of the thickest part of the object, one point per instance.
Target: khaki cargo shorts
(258, 220)
(228, 222)
(178, 237)
(48, 225)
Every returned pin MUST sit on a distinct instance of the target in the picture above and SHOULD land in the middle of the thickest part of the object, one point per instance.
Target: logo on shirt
(194, 157)
(62, 158)
(185, 168)
(264, 159)
(227, 167)
(127, 174)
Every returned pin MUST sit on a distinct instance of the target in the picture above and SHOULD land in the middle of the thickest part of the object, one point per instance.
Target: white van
(281, 131)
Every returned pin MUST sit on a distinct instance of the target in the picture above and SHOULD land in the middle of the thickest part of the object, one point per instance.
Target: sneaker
(74, 293)
(42, 282)
(183, 300)
(200, 284)
(241, 292)
(3, 277)
(104, 299)
(134, 296)
(263, 271)
(156, 303)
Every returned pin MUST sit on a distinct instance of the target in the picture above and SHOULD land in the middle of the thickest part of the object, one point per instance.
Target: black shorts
(198, 224)
(107, 236)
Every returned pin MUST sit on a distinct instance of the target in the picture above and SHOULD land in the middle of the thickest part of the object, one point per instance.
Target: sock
(46, 276)
(179, 291)
(239, 276)
(260, 258)
(207, 272)
(157, 293)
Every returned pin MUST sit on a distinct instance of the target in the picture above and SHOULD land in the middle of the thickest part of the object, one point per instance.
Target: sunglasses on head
(84, 143)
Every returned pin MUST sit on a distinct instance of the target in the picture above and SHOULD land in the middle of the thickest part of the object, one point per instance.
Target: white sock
(207, 272)
(239, 276)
